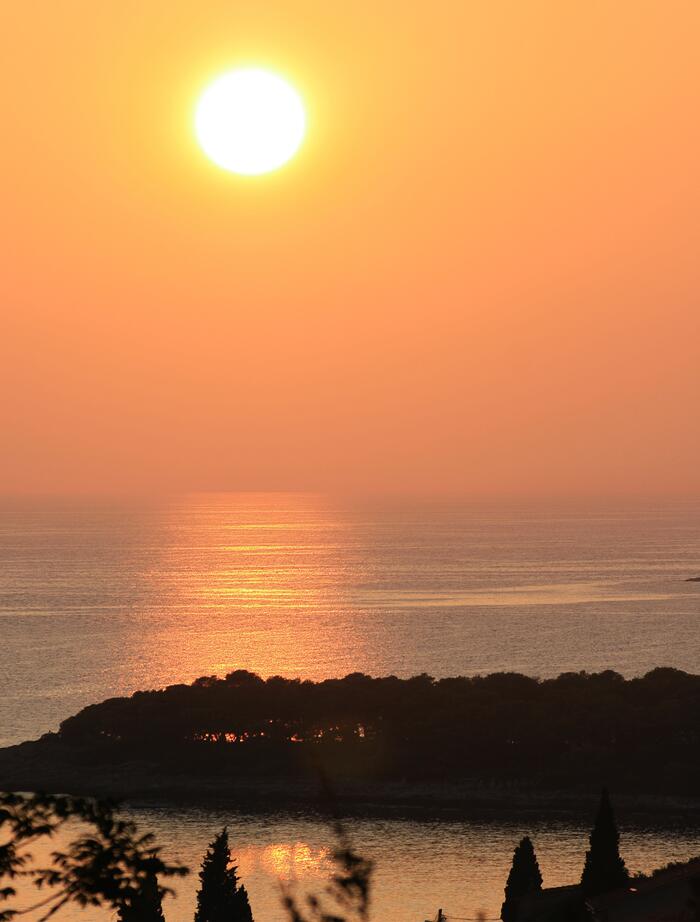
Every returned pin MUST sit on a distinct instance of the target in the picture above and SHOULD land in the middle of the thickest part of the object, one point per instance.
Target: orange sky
(480, 276)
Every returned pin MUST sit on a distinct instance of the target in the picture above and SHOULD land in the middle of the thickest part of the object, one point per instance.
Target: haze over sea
(100, 598)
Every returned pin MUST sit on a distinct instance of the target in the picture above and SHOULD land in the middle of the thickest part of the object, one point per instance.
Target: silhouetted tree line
(638, 734)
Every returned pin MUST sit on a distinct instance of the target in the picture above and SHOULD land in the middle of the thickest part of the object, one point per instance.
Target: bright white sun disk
(250, 121)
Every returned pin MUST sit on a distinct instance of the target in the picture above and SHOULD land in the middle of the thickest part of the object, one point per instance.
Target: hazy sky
(481, 274)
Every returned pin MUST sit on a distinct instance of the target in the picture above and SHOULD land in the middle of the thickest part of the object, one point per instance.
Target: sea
(101, 597)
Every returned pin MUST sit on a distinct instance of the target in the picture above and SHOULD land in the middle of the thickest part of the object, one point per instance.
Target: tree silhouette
(145, 905)
(524, 877)
(103, 865)
(604, 869)
(220, 898)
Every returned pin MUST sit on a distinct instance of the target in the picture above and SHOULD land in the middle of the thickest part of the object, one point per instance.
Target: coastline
(49, 766)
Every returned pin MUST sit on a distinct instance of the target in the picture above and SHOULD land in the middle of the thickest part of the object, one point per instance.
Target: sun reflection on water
(276, 605)
(286, 861)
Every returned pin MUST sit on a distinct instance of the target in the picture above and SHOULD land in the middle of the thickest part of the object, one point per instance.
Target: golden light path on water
(304, 585)
(309, 586)
(286, 861)
(289, 583)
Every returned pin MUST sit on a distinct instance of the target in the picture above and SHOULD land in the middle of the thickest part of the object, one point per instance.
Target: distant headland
(497, 742)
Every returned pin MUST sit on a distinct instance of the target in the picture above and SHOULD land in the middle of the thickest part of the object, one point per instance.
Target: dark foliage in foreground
(639, 734)
(347, 895)
(145, 906)
(604, 869)
(107, 863)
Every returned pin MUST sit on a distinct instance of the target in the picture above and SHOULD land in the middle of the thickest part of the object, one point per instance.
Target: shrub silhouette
(106, 865)
(347, 895)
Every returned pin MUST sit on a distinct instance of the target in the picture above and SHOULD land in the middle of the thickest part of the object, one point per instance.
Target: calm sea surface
(103, 598)
(420, 866)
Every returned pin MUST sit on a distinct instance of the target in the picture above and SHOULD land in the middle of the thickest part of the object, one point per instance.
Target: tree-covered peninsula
(502, 732)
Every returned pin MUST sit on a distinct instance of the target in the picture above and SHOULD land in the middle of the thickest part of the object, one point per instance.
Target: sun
(250, 121)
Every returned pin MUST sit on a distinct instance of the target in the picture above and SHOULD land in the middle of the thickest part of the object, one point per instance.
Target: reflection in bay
(420, 865)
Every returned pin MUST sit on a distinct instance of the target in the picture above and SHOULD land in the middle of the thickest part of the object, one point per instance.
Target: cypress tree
(524, 878)
(145, 906)
(604, 869)
(220, 898)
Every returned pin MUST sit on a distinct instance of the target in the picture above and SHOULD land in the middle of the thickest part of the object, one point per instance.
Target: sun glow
(250, 121)
(286, 860)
